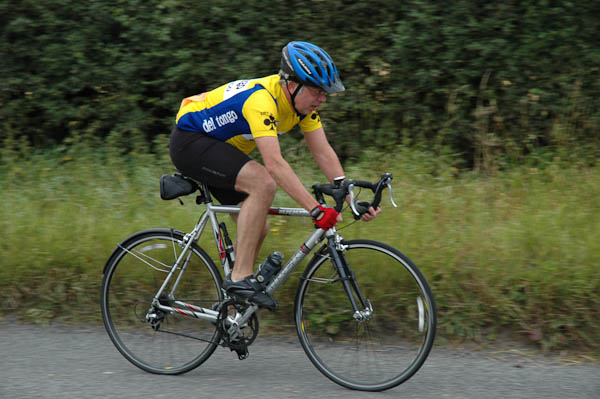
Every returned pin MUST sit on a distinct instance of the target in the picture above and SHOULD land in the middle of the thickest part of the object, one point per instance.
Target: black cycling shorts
(209, 161)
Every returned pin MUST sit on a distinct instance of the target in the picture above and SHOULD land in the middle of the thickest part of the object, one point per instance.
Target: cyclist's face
(309, 99)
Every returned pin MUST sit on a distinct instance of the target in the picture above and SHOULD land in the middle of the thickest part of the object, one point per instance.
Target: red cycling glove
(329, 218)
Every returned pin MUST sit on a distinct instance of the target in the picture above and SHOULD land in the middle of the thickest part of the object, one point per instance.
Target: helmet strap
(294, 94)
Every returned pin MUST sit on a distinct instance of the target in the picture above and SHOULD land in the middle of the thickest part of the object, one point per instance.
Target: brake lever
(389, 186)
(351, 193)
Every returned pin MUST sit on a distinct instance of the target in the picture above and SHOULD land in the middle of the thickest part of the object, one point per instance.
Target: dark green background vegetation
(475, 78)
(487, 113)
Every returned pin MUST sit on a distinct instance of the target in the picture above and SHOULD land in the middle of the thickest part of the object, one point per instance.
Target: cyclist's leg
(261, 238)
(254, 180)
(252, 226)
(231, 182)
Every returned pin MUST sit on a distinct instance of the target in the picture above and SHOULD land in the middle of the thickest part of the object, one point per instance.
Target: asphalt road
(81, 362)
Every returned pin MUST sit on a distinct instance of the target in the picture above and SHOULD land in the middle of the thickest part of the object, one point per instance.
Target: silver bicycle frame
(194, 236)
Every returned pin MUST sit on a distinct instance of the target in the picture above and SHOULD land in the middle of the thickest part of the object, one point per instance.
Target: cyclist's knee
(255, 179)
(270, 186)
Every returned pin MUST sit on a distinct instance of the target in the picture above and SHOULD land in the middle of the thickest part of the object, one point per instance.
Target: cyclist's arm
(282, 173)
(324, 154)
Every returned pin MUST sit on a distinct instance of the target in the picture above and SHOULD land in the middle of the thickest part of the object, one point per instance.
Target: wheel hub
(364, 315)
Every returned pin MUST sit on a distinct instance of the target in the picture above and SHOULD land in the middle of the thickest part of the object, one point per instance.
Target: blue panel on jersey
(223, 121)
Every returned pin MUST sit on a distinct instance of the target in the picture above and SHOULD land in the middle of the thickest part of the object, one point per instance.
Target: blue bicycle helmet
(308, 64)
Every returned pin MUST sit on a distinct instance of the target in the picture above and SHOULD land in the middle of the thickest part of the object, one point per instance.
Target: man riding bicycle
(216, 130)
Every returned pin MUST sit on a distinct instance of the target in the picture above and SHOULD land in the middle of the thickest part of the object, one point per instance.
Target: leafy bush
(482, 80)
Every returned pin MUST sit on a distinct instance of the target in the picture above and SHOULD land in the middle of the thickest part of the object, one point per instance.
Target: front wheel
(384, 344)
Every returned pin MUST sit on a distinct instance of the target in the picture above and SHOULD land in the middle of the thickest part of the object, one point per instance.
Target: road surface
(81, 362)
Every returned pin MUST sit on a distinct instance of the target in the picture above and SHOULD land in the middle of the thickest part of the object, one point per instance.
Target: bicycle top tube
(275, 211)
(179, 185)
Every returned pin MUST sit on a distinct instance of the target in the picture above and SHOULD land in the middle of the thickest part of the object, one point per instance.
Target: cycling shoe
(250, 289)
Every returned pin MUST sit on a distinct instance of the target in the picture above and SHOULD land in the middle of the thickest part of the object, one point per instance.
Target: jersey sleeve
(310, 122)
(260, 111)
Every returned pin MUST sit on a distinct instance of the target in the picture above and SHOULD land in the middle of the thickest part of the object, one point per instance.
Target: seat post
(204, 196)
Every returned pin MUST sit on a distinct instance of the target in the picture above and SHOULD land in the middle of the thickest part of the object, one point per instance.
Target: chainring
(236, 337)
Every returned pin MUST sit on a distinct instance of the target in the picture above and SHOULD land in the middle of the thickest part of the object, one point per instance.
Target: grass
(514, 251)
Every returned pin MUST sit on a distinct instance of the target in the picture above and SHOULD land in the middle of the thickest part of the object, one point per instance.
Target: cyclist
(216, 130)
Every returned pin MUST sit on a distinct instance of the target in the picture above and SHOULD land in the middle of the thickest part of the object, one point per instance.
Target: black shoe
(250, 289)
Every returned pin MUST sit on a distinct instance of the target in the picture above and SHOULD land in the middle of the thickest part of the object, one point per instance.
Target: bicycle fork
(335, 247)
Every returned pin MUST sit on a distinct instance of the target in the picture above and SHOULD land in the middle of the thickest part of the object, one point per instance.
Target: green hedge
(478, 79)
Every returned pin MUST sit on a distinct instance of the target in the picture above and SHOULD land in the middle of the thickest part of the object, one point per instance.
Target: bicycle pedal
(243, 354)
(241, 350)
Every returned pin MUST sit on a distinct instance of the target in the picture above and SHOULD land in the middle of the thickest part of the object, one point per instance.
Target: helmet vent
(303, 65)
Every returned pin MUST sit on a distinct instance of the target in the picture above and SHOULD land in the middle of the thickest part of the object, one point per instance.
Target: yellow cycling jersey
(240, 111)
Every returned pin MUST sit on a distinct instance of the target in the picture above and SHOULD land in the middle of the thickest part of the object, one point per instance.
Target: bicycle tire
(372, 355)
(180, 343)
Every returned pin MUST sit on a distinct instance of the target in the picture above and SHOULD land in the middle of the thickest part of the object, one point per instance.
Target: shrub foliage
(480, 79)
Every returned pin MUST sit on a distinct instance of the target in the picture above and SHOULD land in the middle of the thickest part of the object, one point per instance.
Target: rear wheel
(157, 341)
(387, 342)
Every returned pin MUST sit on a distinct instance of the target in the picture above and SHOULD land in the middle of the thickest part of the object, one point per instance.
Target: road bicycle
(364, 313)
